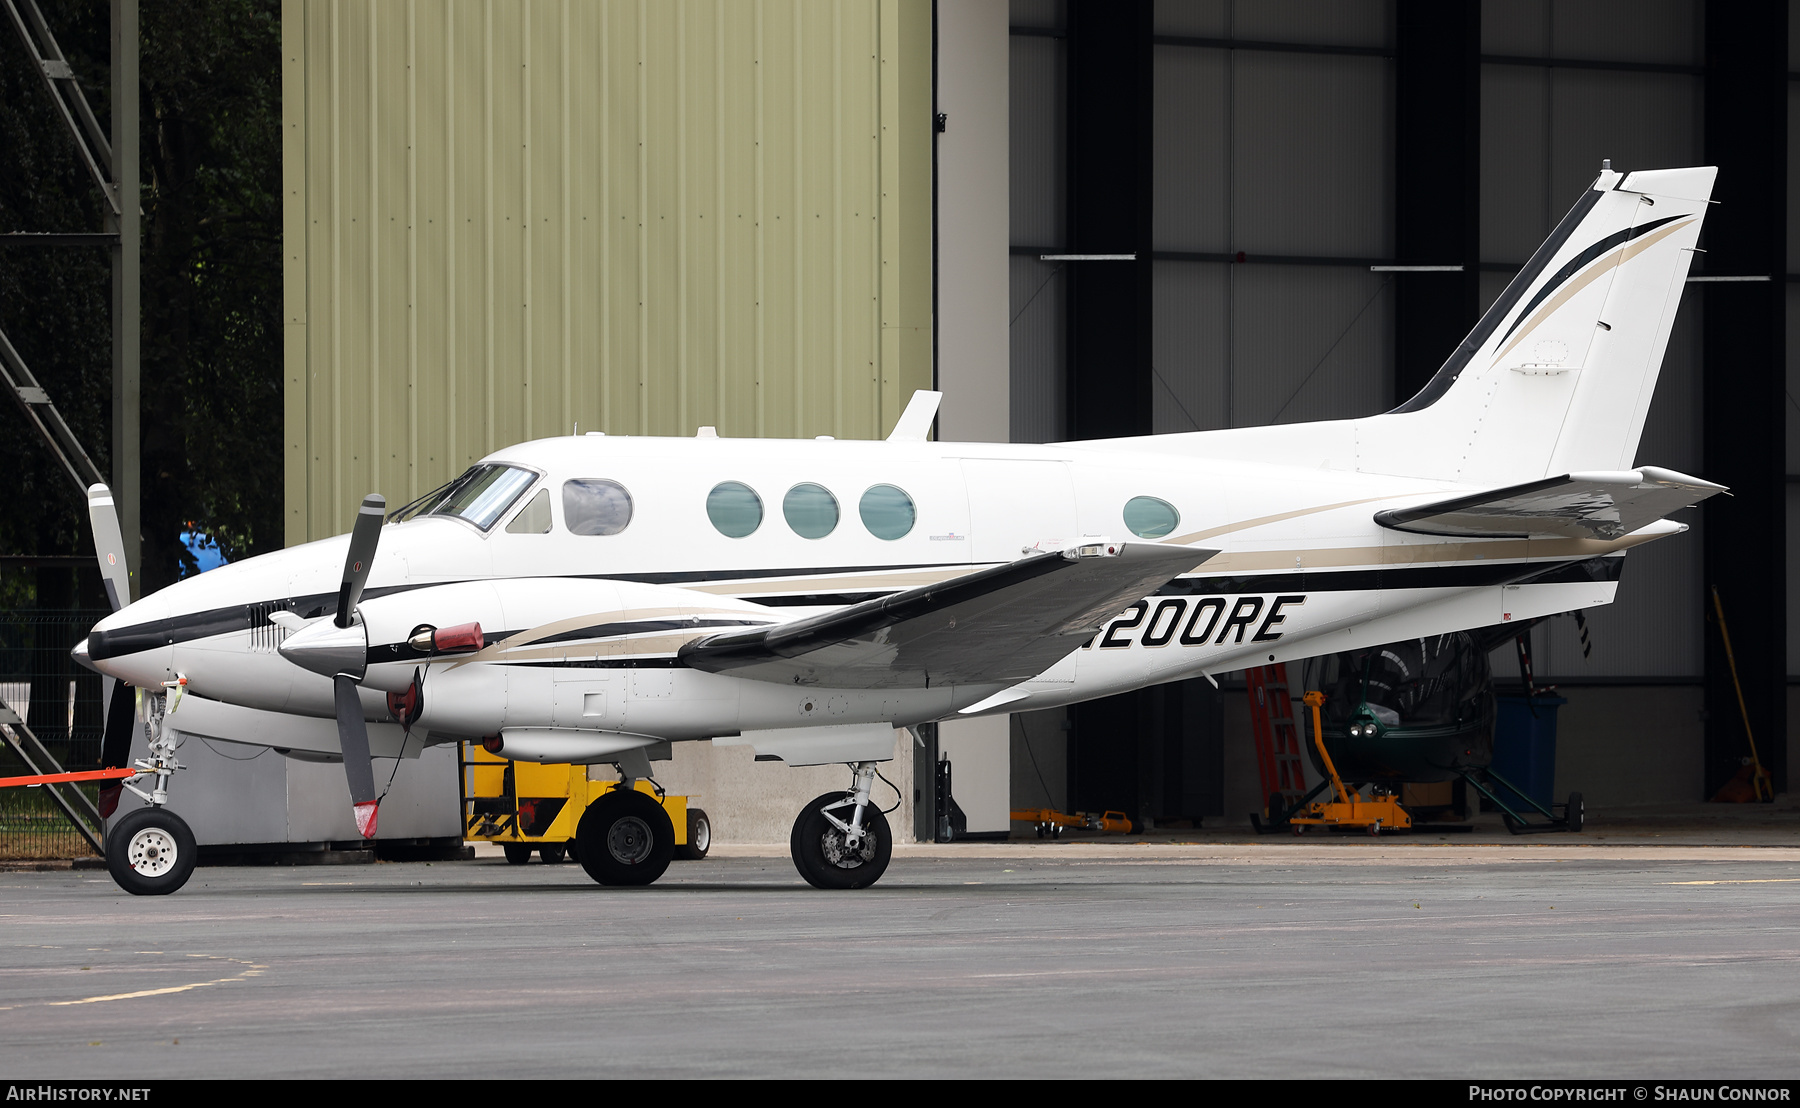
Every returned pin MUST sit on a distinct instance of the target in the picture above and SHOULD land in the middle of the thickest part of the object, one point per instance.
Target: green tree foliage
(211, 416)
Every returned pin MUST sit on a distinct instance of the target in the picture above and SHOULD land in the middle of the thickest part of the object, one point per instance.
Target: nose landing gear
(834, 852)
(151, 852)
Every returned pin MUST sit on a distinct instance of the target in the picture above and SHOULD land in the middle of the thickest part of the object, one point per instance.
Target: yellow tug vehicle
(533, 808)
(1378, 813)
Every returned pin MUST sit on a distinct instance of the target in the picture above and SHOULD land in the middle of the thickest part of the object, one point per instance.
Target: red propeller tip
(365, 818)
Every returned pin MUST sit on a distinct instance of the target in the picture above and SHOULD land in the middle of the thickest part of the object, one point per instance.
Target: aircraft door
(1015, 503)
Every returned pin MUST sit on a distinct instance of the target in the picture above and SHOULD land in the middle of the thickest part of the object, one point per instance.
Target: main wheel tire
(821, 856)
(553, 853)
(625, 838)
(151, 852)
(1576, 812)
(517, 853)
(699, 836)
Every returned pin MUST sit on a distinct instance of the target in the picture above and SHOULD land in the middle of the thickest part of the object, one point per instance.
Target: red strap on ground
(59, 778)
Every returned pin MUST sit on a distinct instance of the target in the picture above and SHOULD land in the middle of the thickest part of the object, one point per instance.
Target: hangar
(507, 221)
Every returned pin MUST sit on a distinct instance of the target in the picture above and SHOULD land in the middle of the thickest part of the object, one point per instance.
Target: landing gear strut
(841, 841)
(151, 852)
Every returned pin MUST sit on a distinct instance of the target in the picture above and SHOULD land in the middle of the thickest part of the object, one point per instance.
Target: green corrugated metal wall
(504, 217)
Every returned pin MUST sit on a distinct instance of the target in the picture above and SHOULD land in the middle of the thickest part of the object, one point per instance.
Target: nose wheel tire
(151, 852)
(625, 838)
(699, 836)
(553, 854)
(517, 853)
(824, 857)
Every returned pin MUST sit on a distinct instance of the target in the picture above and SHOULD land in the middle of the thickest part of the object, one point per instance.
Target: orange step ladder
(1277, 735)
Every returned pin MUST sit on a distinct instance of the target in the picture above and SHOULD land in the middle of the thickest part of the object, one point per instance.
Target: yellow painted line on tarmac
(145, 992)
(1741, 881)
(251, 969)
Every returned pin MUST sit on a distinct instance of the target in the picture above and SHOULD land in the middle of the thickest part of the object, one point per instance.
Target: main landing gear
(841, 841)
(625, 838)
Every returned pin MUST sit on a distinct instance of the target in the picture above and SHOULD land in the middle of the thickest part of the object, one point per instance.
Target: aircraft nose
(80, 654)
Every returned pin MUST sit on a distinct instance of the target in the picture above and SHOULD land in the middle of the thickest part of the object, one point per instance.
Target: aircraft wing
(1573, 506)
(995, 626)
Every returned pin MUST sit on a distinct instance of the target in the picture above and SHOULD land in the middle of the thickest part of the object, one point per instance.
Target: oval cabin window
(1150, 518)
(887, 512)
(595, 506)
(734, 509)
(811, 510)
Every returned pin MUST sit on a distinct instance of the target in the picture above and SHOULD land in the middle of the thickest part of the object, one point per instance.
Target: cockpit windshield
(480, 496)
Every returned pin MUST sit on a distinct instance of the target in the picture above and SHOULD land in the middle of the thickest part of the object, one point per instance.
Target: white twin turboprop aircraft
(583, 599)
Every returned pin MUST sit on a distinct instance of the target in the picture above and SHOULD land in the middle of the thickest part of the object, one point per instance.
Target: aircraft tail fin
(1558, 374)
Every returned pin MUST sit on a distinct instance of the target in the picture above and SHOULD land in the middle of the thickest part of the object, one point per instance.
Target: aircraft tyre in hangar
(151, 852)
(625, 838)
(822, 856)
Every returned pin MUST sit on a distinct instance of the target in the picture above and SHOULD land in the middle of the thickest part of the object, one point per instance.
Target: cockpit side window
(534, 517)
(480, 496)
(595, 506)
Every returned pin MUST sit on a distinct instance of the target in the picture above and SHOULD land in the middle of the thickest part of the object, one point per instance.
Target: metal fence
(62, 705)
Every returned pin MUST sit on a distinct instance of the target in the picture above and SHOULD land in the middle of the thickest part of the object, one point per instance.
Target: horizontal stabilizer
(994, 626)
(1573, 506)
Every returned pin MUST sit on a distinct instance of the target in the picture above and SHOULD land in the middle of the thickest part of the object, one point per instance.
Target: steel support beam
(41, 413)
(1142, 751)
(1111, 194)
(114, 168)
(126, 319)
(1437, 194)
(1745, 534)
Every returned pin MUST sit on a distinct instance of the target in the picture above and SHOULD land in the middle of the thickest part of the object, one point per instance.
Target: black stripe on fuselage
(243, 617)
(818, 599)
(222, 621)
(697, 577)
(669, 662)
(1464, 576)
(225, 621)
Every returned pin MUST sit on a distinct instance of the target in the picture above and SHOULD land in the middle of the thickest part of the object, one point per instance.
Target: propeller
(121, 703)
(353, 730)
(109, 546)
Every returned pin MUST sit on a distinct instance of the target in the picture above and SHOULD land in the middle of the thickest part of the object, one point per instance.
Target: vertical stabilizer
(1559, 373)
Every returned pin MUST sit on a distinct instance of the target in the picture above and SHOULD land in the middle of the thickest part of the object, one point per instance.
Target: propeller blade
(353, 738)
(109, 545)
(115, 746)
(363, 538)
(121, 699)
